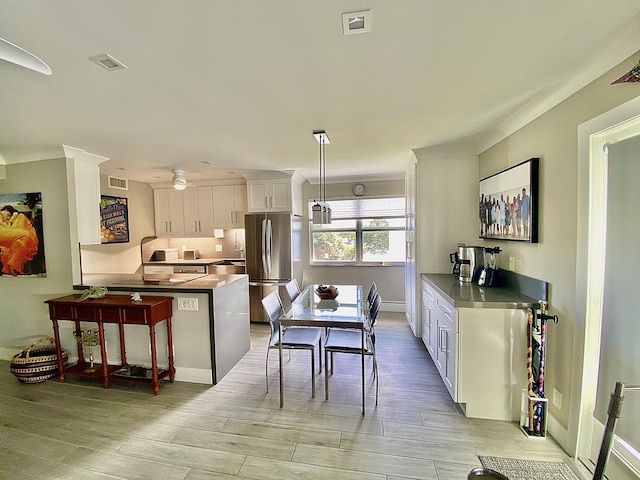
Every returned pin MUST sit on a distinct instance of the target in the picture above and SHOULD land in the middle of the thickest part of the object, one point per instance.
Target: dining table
(346, 310)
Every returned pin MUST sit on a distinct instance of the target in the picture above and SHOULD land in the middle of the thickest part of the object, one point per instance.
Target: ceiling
(221, 88)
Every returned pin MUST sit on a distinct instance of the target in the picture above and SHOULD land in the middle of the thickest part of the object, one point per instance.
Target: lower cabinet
(480, 354)
(428, 319)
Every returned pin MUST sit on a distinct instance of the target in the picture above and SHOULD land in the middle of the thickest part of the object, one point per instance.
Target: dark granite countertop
(196, 283)
(470, 295)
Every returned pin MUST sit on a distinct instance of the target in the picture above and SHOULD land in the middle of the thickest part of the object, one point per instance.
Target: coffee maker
(467, 263)
(489, 274)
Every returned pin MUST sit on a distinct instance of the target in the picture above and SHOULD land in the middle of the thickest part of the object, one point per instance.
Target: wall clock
(358, 189)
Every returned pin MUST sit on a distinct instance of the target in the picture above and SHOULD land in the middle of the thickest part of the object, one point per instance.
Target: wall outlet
(557, 398)
(512, 263)
(188, 304)
(218, 248)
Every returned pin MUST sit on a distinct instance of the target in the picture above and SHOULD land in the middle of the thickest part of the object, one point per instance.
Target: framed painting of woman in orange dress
(21, 235)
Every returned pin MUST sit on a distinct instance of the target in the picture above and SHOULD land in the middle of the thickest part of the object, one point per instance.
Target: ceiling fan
(14, 54)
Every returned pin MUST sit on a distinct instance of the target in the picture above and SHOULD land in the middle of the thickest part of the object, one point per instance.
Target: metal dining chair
(293, 289)
(341, 340)
(293, 338)
(372, 293)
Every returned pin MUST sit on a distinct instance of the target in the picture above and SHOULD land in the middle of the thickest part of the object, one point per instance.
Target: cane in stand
(543, 317)
(530, 367)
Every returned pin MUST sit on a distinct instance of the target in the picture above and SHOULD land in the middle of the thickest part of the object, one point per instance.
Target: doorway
(599, 273)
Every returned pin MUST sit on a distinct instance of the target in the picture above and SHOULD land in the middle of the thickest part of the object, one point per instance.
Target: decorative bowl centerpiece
(326, 293)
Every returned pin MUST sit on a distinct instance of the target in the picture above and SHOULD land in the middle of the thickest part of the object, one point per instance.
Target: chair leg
(266, 369)
(320, 355)
(326, 375)
(375, 372)
(313, 373)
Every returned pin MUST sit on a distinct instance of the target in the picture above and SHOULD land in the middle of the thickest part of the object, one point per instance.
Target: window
(364, 230)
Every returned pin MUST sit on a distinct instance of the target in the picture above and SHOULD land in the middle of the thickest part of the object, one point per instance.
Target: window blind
(365, 208)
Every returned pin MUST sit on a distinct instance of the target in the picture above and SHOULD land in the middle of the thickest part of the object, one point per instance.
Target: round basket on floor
(36, 364)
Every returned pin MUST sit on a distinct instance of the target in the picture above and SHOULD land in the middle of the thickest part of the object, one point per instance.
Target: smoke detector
(356, 22)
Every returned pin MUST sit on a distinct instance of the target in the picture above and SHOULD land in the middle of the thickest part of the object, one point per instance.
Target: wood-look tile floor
(235, 430)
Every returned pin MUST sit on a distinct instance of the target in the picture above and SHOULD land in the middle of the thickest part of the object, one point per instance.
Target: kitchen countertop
(197, 261)
(470, 295)
(133, 282)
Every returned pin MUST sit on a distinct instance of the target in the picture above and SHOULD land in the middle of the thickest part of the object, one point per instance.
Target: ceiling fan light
(179, 182)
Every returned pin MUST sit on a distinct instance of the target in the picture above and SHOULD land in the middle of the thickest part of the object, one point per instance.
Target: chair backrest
(273, 308)
(372, 293)
(292, 289)
(373, 311)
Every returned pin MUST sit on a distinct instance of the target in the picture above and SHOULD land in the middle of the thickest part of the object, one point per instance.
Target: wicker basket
(37, 364)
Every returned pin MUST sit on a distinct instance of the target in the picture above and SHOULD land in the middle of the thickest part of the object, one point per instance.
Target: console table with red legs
(121, 310)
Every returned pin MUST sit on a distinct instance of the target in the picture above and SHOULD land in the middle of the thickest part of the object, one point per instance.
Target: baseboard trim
(194, 375)
(392, 307)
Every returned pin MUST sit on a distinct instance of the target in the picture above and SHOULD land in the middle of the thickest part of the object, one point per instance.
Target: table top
(110, 301)
(309, 309)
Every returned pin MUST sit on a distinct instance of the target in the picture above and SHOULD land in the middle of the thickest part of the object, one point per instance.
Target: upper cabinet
(282, 194)
(229, 205)
(169, 212)
(198, 211)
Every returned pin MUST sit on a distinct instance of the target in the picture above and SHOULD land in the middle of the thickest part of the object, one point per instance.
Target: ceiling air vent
(356, 22)
(118, 183)
(107, 62)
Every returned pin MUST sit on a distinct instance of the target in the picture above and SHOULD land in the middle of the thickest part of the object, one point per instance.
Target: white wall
(553, 138)
(123, 257)
(23, 313)
(389, 280)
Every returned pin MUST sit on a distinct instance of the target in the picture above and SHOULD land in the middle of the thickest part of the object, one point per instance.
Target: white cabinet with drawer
(428, 319)
(446, 343)
(480, 354)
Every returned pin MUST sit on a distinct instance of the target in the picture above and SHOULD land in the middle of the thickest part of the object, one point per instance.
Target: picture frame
(516, 187)
(114, 219)
(22, 235)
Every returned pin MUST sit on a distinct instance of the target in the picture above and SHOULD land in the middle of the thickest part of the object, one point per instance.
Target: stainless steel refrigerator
(273, 257)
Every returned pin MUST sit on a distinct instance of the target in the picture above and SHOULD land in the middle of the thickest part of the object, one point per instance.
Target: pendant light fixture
(321, 211)
(179, 182)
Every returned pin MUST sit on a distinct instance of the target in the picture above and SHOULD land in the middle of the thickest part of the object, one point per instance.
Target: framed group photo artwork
(508, 204)
(114, 219)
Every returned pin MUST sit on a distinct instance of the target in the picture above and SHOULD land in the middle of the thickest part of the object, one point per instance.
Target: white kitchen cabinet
(427, 183)
(429, 330)
(169, 212)
(270, 195)
(446, 346)
(229, 206)
(480, 354)
(198, 211)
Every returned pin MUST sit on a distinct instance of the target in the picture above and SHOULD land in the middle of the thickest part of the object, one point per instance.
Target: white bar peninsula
(209, 337)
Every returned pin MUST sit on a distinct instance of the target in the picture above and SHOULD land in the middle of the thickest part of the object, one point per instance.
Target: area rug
(517, 469)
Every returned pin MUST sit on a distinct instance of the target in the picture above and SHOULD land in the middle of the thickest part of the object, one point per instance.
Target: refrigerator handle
(264, 246)
(269, 245)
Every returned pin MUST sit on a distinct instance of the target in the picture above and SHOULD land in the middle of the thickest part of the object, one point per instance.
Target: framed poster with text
(114, 220)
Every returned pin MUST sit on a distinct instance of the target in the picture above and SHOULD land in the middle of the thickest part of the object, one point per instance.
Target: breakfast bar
(209, 318)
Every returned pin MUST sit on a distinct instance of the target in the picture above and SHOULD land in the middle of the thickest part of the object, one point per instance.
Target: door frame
(615, 125)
